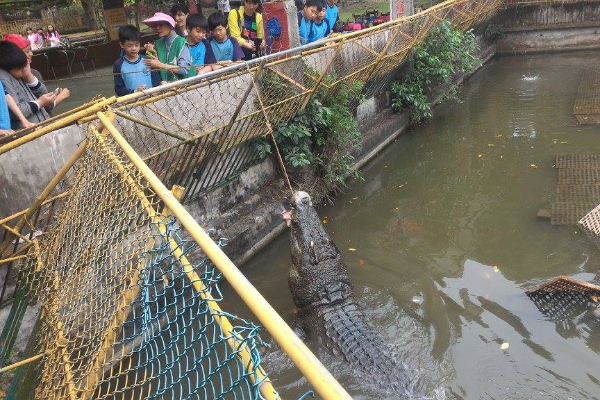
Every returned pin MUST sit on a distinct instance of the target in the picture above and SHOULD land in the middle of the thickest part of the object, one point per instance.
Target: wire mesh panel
(125, 312)
(590, 224)
(587, 103)
(578, 190)
(565, 298)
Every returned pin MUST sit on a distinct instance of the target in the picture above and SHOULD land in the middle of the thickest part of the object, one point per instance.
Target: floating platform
(578, 190)
(587, 103)
(565, 298)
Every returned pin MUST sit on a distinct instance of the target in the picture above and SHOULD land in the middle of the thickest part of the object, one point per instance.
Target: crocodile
(326, 305)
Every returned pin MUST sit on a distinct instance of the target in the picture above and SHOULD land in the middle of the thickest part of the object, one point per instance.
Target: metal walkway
(587, 103)
(578, 190)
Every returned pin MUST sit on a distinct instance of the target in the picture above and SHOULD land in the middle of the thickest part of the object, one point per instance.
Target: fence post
(382, 54)
(322, 76)
(238, 109)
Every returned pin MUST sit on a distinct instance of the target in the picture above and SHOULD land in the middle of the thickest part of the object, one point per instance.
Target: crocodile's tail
(350, 335)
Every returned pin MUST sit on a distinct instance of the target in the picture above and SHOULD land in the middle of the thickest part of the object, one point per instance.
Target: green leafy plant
(317, 144)
(445, 51)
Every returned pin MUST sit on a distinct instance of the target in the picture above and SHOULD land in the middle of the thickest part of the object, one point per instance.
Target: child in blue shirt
(306, 19)
(320, 27)
(8, 106)
(130, 72)
(332, 13)
(223, 46)
(201, 51)
(4, 115)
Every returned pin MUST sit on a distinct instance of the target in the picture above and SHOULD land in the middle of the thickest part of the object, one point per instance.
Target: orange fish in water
(411, 227)
(405, 226)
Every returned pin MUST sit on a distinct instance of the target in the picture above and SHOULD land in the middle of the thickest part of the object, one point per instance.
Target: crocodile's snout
(302, 199)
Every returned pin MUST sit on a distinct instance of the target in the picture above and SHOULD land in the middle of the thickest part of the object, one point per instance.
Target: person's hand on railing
(26, 124)
(4, 133)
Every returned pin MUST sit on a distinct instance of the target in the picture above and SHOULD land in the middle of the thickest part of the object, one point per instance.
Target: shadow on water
(446, 242)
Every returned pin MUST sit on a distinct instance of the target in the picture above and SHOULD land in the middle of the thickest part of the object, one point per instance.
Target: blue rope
(184, 351)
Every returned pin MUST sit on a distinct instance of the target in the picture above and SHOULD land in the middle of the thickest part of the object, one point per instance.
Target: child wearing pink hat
(170, 53)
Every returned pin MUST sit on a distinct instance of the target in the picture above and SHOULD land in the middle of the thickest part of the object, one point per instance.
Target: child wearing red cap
(31, 96)
(32, 79)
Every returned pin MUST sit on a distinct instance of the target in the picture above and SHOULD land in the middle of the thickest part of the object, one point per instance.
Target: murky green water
(447, 241)
(84, 88)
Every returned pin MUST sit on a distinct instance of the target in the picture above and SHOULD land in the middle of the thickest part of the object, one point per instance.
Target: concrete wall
(26, 170)
(549, 27)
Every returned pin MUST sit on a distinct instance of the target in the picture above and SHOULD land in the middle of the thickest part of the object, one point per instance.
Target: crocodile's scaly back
(326, 304)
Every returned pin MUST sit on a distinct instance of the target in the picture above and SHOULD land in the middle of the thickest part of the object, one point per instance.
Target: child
(224, 7)
(224, 47)
(52, 37)
(332, 14)
(200, 49)
(33, 77)
(4, 115)
(130, 73)
(169, 53)
(32, 37)
(246, 26)
(306, 17)
(320, 27)
(180, 12)
(41, 41)
(31, 98)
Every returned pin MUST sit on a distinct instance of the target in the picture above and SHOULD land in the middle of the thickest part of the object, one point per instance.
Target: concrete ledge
(555, 40)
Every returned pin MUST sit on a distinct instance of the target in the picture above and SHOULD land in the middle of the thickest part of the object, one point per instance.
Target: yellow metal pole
(310, 366)
(56, 125)
(322, 76)
(147, 124)
(7, 260)
(45, 193)
(16, 233)
(171, 120)
(287, 78)
(382, 54)
(22, 362)
(51, 199)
